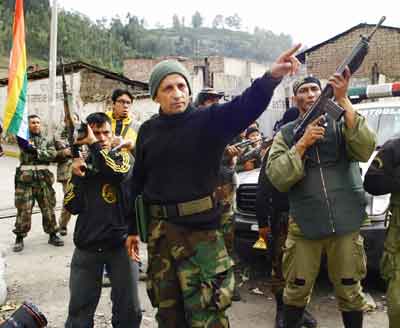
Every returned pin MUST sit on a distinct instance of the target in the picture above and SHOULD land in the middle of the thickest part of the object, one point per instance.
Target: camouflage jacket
(46, 153)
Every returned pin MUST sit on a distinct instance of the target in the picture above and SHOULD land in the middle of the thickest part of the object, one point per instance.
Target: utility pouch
(142, 218)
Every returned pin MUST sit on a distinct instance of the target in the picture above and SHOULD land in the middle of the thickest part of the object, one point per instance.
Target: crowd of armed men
(172, 186)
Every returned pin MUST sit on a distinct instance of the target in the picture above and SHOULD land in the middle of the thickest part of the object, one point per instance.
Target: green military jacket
(46, 153)
(288, 172)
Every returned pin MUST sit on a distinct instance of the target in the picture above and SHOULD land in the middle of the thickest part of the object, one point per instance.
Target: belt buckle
(160, 211)
(195, 206)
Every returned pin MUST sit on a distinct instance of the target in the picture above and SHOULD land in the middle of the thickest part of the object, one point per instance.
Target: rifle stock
(324, 104)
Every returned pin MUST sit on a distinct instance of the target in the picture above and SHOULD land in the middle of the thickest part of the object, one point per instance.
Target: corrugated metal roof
(77, 66)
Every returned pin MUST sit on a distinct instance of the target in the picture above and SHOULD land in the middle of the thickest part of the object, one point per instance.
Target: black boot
(55, 240)
(236, 297)
(308, 320)
(352, 319)
(293, 316)
(19, 244)
(279, 310)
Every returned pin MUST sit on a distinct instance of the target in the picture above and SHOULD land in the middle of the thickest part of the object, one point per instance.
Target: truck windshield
(385, 121)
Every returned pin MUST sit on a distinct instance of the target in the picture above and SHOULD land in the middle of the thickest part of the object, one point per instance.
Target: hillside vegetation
(108, 42)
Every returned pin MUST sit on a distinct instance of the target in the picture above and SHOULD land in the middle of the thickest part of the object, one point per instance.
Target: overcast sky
(307, 21)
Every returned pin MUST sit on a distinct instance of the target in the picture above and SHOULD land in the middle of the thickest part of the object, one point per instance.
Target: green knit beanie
(164, 68)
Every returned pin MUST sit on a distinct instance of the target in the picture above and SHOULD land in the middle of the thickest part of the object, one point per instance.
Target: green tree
(218, 21)
(234, 21)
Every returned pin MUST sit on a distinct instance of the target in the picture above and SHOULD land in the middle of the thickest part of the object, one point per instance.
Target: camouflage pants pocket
(24, 176)
(47, 177)
(387, 266)
(390, 262)
(154, 269)
(207, 278)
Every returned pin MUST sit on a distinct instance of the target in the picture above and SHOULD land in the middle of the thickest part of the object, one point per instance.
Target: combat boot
(292, 316)
(236, 297)
(352, 319)
(63, 231)
(279, 310)
(55, 240)
(308, 320)
(19, 244)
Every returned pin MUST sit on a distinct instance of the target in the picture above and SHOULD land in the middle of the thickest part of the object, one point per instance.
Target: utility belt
(182, 209)
(33, 167)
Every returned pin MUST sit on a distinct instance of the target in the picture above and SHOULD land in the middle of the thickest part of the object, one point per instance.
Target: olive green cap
(164, 68)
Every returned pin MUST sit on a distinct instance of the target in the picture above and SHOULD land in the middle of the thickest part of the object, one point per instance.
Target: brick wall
(95, 88)
(384, 50)
(139, 69)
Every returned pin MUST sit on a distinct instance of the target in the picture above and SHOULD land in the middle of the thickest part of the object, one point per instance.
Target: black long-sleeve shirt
(98, 200)
(269, 200)
(178, 157)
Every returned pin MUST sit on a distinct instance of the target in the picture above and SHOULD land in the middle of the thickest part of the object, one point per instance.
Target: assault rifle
(255, 152)
(324, 104)
(247, 142)
(74, 133)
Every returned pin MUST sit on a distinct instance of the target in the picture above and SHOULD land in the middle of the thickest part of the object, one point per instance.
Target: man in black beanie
(272, 209)
(321, 174)
(178, 156)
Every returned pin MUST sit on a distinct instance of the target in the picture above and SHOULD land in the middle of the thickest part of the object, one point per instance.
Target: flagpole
(52, 70)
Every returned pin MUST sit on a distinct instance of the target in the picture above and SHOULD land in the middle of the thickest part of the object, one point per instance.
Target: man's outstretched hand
(286, 63)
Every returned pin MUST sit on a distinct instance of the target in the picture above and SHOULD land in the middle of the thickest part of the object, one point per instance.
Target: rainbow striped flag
(15, 113)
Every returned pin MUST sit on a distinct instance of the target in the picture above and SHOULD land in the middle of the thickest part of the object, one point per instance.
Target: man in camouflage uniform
(178, 155)
(382, 178)
(321, 174)
(225, 191)
(64, 162)
(33, 181)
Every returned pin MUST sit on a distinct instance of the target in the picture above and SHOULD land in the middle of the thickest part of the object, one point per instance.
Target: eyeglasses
(124, 102)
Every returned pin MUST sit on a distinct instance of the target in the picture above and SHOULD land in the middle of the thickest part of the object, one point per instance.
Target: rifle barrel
(376, 28)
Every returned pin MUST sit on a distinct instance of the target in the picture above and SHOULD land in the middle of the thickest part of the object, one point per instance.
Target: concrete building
(382, 63)
(230, 75)
(91, 89)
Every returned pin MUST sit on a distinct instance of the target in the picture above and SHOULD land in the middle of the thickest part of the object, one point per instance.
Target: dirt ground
(40, 274)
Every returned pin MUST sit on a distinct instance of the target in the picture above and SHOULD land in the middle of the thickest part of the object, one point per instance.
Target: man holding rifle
(95, 193)
(321, 174)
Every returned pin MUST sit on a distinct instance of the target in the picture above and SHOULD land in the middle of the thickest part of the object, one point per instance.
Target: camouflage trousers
(26, 194)
(65, 215)
(190, 276)
(347, 266)
(226, 195)
(279, 231)
(390, 268)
